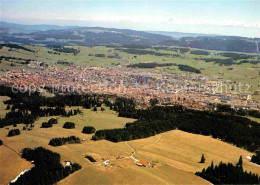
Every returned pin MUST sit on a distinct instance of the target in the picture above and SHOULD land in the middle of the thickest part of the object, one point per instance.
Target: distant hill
(219, 43)
(181, 34)
(86, 36)
(96, 36)
(20, 28)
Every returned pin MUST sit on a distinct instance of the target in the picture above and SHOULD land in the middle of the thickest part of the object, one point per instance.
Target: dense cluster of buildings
(188, 89)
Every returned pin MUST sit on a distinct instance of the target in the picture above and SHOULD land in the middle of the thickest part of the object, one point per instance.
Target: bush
(1, 142)
(53, 121)
(91, 159)
(14, 132)
(46, 125)
(69, 125)
(88, 130)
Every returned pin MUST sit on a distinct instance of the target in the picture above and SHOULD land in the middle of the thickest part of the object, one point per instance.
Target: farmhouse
(143, 164)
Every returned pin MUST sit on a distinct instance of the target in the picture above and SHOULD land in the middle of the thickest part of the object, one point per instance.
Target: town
(146, 87)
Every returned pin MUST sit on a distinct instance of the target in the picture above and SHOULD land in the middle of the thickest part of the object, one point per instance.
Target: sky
(225, 17)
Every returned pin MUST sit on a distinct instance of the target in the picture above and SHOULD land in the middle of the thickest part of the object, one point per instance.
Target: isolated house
(143, 164)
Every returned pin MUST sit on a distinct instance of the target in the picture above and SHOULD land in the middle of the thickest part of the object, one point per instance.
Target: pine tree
(202, 160)
(212, 165)
(8, 107)
(240, 161)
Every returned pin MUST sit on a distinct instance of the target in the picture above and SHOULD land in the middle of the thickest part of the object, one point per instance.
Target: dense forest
(47, 169)
(64, 140)
(228, 174)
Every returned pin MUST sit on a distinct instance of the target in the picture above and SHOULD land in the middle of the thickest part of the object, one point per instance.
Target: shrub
(13, 132)
(53, 121)
(69, 125)
(46, 125)
(88, 130)
(91, 159)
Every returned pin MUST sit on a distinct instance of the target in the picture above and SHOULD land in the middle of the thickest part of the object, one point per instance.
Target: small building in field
(67, 163)
(143, 164)
(105, 163)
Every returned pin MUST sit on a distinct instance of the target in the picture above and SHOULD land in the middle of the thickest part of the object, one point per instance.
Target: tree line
(63, 49)
(64, 140)
(237, 130)
(154, 65)
(228, 174)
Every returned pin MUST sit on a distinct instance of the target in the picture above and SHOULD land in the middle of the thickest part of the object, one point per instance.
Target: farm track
(133, 151)
(11, 149)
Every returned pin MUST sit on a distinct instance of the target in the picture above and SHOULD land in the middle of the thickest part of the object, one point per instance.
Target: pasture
(175, 155)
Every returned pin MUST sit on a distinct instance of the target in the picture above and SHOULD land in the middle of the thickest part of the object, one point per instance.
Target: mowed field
(175, 155)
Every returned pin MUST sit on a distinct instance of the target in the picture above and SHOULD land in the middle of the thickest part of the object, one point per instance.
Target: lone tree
(8, 107)
(202, 160)
(240, 161)
(69, 125)
(88, 130)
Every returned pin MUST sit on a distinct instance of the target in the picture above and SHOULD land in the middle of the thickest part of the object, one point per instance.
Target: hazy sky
(229, 17)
